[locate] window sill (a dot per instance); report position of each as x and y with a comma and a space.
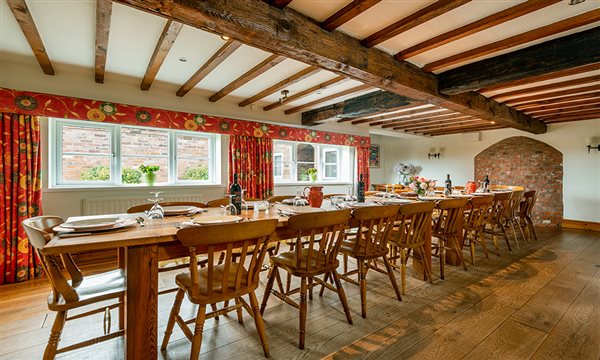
130, 187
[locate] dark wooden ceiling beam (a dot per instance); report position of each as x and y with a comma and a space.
409, 117
475, 27
533, 35
163, 45
551, 95
25, 20
415, 19
552, 86
293, 35
402, 111
304, 93
534, 110
375, 103
249, 75
554, 55
223, 53
450, 125
566, 99
299, 76
280, 4
311, 104
432, 124
566, 110
542, 77
347, 13
103, 16
463, 130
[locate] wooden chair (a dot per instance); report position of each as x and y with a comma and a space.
279, 198
446, 230
408, 237
77, 292
494, 218
375, 226
306, 261
145, 207
473, 223
218, 202
216, 283
526, 208
511, 215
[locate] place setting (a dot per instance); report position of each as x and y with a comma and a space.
92, 225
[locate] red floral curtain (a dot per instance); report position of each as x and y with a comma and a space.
362, 165
251, 158
20, 193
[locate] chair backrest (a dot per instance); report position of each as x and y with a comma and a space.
449, 212
330, 226
218, 202
512, 209
146, 207
375, 225
529, 198
480, 206
499, 204
251, 236
279, 198
39, 231
411, 223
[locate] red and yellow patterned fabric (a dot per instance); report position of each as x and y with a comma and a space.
21, 195
30, 103
251, 158
362, 162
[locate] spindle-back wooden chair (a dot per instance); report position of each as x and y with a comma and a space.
446, 230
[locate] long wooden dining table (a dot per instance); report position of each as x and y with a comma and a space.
142, 248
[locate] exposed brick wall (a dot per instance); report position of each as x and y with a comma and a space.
529, 163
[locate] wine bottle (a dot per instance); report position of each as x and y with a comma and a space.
486, 184
360, 191
235, 193
448, 184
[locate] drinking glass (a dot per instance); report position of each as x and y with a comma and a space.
230, 209
299, 199
156, 211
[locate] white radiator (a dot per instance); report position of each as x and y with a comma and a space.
118, 205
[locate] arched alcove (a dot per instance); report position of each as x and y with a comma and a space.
530, 163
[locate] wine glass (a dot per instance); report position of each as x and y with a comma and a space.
298, 199
244, 203
156, 211
231, 209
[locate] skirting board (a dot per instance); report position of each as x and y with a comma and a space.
581, 225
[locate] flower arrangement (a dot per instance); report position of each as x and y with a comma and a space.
421, 185
405, 170
312, 174
150, 171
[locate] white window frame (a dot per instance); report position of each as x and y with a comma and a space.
55, 155
280, 162
343, 154
324, 151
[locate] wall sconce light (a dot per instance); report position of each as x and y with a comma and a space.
284, 95
435, 153
590, 145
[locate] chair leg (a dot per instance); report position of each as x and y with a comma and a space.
325, 279
258, 322
54, 339
442, 259
403, 269
512, 228
481, 238
198, 328
302, 312
122, 313
310, 286
530, 223
342, 295
362, 280
456, 247
345, 257
472, 248
392, 278
171, 322
505, 235
240, 316
268, 288
426, 265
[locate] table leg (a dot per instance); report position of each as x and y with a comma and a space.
418, 271
142, 302
451, 256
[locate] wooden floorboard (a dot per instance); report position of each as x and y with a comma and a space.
538, 302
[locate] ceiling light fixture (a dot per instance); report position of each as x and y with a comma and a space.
284, 96
493, 122
575, 2
226, 38
182, 59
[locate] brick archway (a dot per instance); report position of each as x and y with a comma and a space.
529, 163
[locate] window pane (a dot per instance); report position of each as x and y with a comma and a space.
192, 169
302, 171
162, 175
76, 168
305, 153
137, 141
85, 140
331, 157
331, 171
277, 165
192, 147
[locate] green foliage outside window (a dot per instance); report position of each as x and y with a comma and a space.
102, 173
199, 172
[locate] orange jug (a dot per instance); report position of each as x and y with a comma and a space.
315, 196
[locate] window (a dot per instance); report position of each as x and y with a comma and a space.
291, 161
84, 153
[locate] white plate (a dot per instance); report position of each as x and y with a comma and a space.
291, 201
429, 198
396, 201
89, 224
117, 225
179, 209
217, 219
460, 196
352, 205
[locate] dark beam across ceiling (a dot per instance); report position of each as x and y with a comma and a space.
293, 35
563, 53
103, 16
345, 14
163, 45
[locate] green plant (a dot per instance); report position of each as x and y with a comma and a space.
149, 168
96, 173
199, 172
312, 171
130, 176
